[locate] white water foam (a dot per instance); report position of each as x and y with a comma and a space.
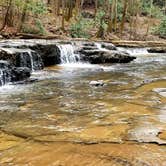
67, 54
134, 51
99, 46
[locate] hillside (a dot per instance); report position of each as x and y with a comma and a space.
101, 19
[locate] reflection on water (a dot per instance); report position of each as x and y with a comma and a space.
62, 119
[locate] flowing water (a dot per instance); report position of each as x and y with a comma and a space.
63, 120
67, 54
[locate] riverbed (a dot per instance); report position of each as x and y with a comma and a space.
61, 119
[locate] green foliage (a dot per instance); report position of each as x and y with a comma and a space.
40, 26
99, 20
30, 29
161, 30
154, 11
34, 29
37, 7
79, 29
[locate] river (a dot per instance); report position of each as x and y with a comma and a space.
61, 119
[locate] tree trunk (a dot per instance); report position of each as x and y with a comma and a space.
124, 15
6, 15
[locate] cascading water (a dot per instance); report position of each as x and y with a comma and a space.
1, 78
5, 71
134, 51
31, 59
26, 59
67, 54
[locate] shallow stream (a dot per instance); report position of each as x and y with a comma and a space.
63, 120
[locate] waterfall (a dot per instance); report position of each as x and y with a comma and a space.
26, 59
1, 78
67, 55
31, 60
4, 77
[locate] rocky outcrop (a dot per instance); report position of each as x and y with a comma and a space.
5, 72
50, 53
9, 73
20, 73
17, 64
22, 58
108, 57
108, 46
157, 50
104, 53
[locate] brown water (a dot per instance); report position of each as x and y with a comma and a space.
62, 120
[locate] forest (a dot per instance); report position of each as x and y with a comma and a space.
104, 19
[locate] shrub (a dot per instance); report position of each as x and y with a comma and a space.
34, 29
80, 28
161, 30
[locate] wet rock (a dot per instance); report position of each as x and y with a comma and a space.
89, 48
162, 135
109, 46
90, 52
20, 73
160, 91
49, 53
9, 73
147, 134
31, 60
157, 50
97, 53
5, 72
22, 58
88, 44
97, 83
98, 57
26, 81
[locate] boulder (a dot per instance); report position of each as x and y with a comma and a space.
9, 73
97, 83
22, 58
88, 44
157, 50
108, 46
50, 53
112, 56
5, 72
20, 73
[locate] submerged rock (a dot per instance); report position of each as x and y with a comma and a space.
160, 91
97, 83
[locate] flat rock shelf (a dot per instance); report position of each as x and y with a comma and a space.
81, 103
